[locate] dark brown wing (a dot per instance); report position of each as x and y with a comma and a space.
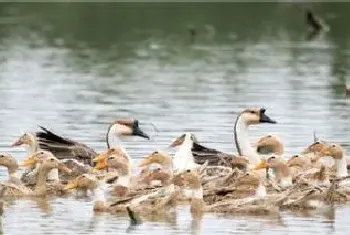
64, 148
214, 157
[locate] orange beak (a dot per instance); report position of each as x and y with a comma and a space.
28, 162
261, 165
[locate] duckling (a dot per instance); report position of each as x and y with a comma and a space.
298, 164
8, 161
192, 180
47, 163
269, 144
282, 171
115, 158
338, 154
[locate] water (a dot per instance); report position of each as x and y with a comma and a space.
76, 67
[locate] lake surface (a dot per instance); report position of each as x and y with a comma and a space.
74, 68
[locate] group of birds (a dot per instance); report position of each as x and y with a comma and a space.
259, 179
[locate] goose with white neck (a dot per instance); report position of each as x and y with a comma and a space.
246, 118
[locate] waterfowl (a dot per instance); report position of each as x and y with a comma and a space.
183, 158
337, 153
192, 180
8, 161
269, 144
47, 163
117, 159
281, 169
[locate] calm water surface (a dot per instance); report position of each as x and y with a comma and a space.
76, 67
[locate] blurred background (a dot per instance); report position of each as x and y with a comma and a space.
185, 67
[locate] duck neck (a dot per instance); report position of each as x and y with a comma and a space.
197, 193
260, 191
124, 180
53, 175
243, 146
40, 187
32, 147
14, 174
283, 175
341, 167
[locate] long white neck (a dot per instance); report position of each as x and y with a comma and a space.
112, 139
260, 191
242, 141
341, 167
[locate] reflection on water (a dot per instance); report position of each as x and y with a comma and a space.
76, 67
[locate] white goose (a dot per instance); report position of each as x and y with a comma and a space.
244, 120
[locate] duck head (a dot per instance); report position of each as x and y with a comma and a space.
26, 138
189, 178
156, 157
270, 144
127, 127
333, 150
7, 160
315, 147
299, 160
46, 160
101, 159
84, 181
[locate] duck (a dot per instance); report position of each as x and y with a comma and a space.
269, 144
281, 169
337, 152
246, 118
8, 161
117, 159
253, 204
47, 163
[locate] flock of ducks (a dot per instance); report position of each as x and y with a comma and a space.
259, 179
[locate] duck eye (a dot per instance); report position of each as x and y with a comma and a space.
188, 170
317, 142
269, 136
155, 152
51, 159
247, 174
83, 176
273, 157
333, 145
252, 112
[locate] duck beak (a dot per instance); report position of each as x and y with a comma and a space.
326, 153
28, 162
261, 165
137, 131
100, 165
264, 118
101, 157
71, 185
17, 143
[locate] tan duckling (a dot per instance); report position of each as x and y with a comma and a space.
116, 159
281, 169
269, 144
8, 161
298, 164
47, 163
192, 180
338, 154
